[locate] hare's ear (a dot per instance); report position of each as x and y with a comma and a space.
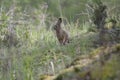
60, 20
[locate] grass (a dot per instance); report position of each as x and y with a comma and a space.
41, 53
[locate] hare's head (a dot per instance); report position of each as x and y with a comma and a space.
58, 24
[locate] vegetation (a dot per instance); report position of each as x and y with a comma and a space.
29, 49
94, 68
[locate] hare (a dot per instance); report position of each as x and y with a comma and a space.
62, 35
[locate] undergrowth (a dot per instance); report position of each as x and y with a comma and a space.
39, 52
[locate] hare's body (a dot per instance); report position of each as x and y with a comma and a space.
62, 35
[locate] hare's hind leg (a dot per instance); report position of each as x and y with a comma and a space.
65, 40
60, 41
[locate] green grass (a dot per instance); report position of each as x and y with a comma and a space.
42, 54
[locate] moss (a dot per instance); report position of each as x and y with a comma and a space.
95, 71
96, 52
46, 77
105, 50
107, 71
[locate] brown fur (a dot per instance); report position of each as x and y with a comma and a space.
62, 35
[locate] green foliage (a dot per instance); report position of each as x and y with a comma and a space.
3, 26
38, 51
